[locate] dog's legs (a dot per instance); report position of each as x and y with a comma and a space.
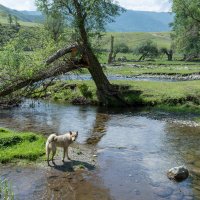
68, 154
53, 152
48, 151
64, 150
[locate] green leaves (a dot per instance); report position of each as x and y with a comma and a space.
93, 14
187, 27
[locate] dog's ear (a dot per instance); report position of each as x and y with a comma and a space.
77, 133
70, 133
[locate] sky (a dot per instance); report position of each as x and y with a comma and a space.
145, 5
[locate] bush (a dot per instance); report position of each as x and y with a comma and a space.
85, 91
147, 50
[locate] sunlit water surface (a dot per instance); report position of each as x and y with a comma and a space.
134, 148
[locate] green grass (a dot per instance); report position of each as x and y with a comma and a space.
22, 23
135, 38
183, 95
133, 59
16, 145
62, 92
6, 191
167, 93
166, 69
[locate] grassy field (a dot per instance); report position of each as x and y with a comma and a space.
132, 58
15, 145
28, 24
153, 69
180, 94
135, 38
132, 40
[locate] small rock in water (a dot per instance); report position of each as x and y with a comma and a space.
178, 173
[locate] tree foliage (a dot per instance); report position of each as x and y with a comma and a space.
54, 23
186, 27
7, 33
16, 64
121, 48
94, 15
147, 49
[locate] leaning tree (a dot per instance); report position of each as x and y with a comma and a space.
88, 18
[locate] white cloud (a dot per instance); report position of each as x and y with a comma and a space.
146, 5
19, 4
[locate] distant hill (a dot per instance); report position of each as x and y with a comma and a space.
141, 21
133, 39
129, 21
25, 16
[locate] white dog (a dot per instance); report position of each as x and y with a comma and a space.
63, 141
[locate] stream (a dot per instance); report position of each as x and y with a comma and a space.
134, 150
144, 77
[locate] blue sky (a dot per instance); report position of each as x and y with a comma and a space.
147, 5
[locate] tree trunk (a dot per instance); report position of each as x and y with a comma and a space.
142, 57
114, 55
169, 56
110, 57
107, 93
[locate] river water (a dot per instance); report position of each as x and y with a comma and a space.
134, 150
152, 78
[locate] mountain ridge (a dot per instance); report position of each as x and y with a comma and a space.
129, 21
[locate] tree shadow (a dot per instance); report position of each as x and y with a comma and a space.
99, 128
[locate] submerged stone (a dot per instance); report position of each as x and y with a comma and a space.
178, 173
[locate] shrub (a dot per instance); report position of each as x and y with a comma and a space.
85, 91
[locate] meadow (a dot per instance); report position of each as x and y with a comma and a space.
4, 21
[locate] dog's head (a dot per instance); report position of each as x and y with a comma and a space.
73, 135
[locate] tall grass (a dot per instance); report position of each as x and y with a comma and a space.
6, 192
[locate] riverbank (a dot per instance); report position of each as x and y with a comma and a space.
28, 146
183, 96
25, 174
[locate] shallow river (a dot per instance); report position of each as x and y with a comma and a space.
134, 151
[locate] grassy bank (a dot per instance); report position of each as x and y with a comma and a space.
183, 95
17, 145
155, 68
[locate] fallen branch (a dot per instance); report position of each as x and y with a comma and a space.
60, 53
54, 71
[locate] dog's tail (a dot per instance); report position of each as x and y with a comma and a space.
50, 139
